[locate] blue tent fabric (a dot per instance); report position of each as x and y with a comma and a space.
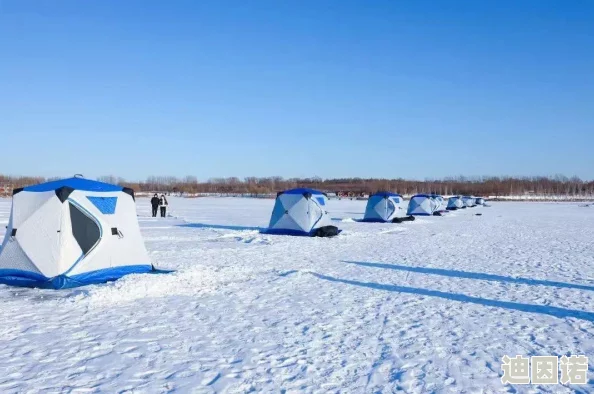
303, 191
105, 205
386, 194
382, 207
76, 184
421, 205
277, 213
129, 257
454, 203
469, 201
297, 233
33, 280
300, 212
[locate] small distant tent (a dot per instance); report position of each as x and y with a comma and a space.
383, 207
439, 203
469, 201
72, 232
480, 201
455, 203
301, 212
422, 205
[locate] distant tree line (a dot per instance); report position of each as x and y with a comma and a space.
480, 186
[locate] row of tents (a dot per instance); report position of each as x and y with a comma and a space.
433, 204
303, 211
76, 231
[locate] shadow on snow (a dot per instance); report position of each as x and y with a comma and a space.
221, 227
545, 310
474, 275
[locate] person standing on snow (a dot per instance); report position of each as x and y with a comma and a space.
163, 205
155, 204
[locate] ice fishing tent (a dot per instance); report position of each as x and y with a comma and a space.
422, 205
301, 212
71, 232
455, 203
480, 201
383, 207
469, 201
439, 202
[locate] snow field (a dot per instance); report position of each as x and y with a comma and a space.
424, 306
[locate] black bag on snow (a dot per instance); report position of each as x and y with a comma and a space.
326, 231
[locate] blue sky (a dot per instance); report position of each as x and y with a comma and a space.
413, 89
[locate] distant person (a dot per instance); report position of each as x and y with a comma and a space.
163, 205
155, 201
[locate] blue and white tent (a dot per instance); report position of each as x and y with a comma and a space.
480, 201
469, 201
439, 202
455, 203
383, 207
71, 232
301, 212
422, 205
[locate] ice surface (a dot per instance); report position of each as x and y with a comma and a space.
424, 306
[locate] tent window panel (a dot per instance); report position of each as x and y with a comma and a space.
86, 232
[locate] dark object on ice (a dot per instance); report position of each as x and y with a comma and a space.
452, 208
478, 214
437, 214
326, 231
155, 270
403, 219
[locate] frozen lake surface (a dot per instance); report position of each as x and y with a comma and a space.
424, 306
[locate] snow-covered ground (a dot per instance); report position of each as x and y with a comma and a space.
424, 306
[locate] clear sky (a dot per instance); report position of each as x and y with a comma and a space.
413, 89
